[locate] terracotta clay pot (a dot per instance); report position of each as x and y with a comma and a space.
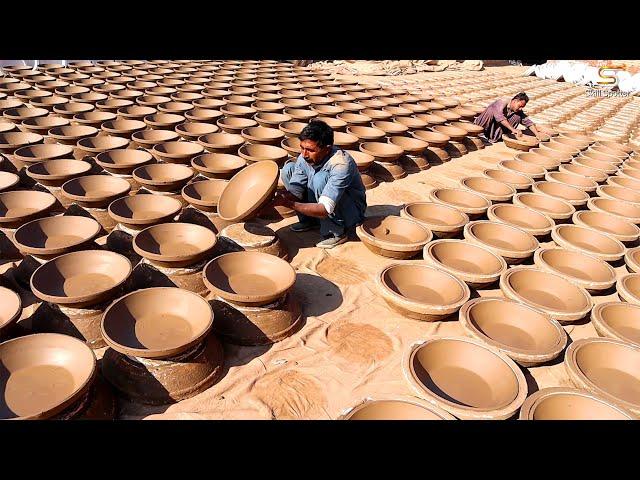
12, 141
123, 161
41, 125
394, 408
536, 159
440, 368
492, 190
620, 321
253, 153
221, 142
628, 288
191, 131
263, 135
404, 288
615, 193
596, 175
625, 210
442, 220
511, 243
8, 181
556, 209
163, 177
150, 138
218, 165
94, 145
526, 335
524, 143
18, 115
140, 211
626, 182
580, 182
292, 129
163, 121
39, 153
177, 152
605, 167
10, 310
587, 240
575, 196
533, 171
531, 221
563, 300
393, 237
21, 206
518, 181
204, 195
95, 191
472, 204
614, 226
94, 118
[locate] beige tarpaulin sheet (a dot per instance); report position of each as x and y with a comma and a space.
394, 67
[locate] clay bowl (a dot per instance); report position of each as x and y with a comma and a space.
68, 110
18, 115
8, 180
574, 196
218, 165
54, 173
376, 114
44, 374
177, 152
531, 221
586, 270
609, 151
396, 409
191, 131
249, 278
421, 291
625, 182
263, 135
470, 203
93, 119
471, 129
393, 237
235, 125
556, 209
95, 191
579, 182
53, 236
558, 157
292, 129
174, 245
163, 177
524, 143
80, 279
608, 368
150, 138
628, 288
409, 145
204, 195
615, 146
536, 159
157, 322
613, 192
632, 259
391, 128
328, 110
143, 210
253, 153
625, 210
518, 181
533, 171
123, 128
382, 152
366, 134
631, 173
523, 333
441, 369
292, 146
363, 160
94, 145
477, 266
454, 133
632, 164
620, 321
271, 120
570, 142
612, 225
563, 403
163, 121
221, 142
560, 298
12, 141
123, 161
242, 111
41, 152
40, 125
20, 206
577, 136
356, 119
492, 190
596, 175
601, 157
511, 243
606, 167
558, 146
10, 309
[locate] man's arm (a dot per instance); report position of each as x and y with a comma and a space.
316, 210
502, 120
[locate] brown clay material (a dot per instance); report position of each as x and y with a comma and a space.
42, 125
235, 125
218, 165
632, 259
393, 236
150, 138
524, 143
596, 175
144, 210
532, 221
80, 278
628, 288
123, 161
221, 142
587, 240
54, 173
95, 145
410, 408
10, 309
421, 292
518, 181
20, 206
8, 181
253, 153
12, 141
95, 191
177, 152
442, 220
511, 243
558, 210
617, 320
572, 195
536, 172
472, 204
204, 195
163, 177
43, 374
625, 210
191, 131
585, 184
618, 193
465, 377
492, 190
526, 335
614, 226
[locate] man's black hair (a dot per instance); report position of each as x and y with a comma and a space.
521, 96
319, 132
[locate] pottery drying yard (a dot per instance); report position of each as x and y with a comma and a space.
488, 281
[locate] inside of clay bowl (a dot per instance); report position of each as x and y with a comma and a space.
573, 180
436, 214
536, 159
156, 322
622, 318
563, 191
620, 193
43, 374
259, 153
80, 277
617, 207
394, 410
248, 191
465, 257
144, 209
193, 130
502, 236
252, 278
10, 307
204, 194
624, 182
123, 159
488, 186
396, 230
102, 143
177, 151
55, 235
95, 188
218, 163
464, 374
152, 137
607, 223
169, 175
8, 180
545, 203
462, 198
23, 204
174, 242
514, 179
423, 284
532, 170
570, 404
588, 239
578, 265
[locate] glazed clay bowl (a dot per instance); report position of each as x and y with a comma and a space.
556, 209
12, 141
43, 375
221, 142
163, 121
253, 153
492, 190
143, 210
605, 167
523, 333
150, 138
608, 368
533, 171
51, 236
42, 125
95, 191
580, 182
628, 288
20, 206
393, 237
123, 161
625, 210
470, 203
174, 245
477, 266
465, 377
204, 195
411, 408
442, 220
511, 243
588, 271
596, 175
191, 131
531, 221
612, 225
177, 152
92, 119
157, 322
574, 196
95, 145
10, 309
615, 193
80, 278
625, 182
8, 180
518, 181
163, 177
563, 403
421, 292
620, 321
218, 165
545, 162
563, 300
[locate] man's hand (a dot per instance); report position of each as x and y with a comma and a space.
283, 200
517, 133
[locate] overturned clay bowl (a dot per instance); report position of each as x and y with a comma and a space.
409, 408
614, 226
470, 203
140, 211
587, 185
10, 309
526, 335
51, 236
80, 279
95, 191
20, 206
519, 181
442, 220
587, 240
156, 322
249, 278
628, 288
123, 161
422, 292
163, 177
625, 210
477, 266
465, 377
591, 273
535, 172
248, 191
218, 165
44, 374
204, 195
563, 300
511, 243
492, 190
607, 367
573, 195
531, 221
393, 236
556, 209
617, 320
174, 245
564, 403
